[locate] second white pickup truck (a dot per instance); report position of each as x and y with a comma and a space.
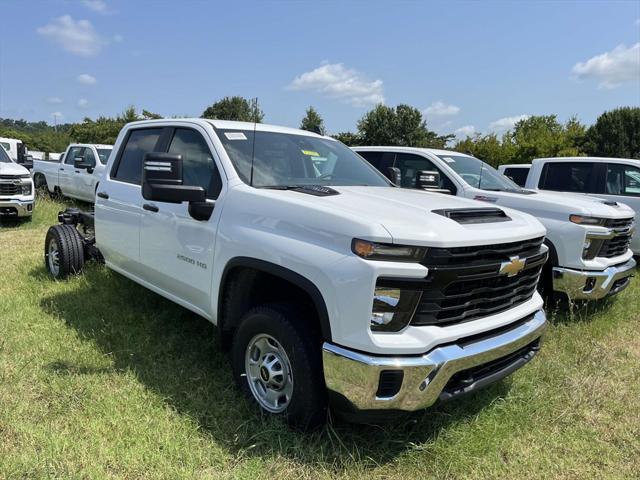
76, 174
588, 237
326, 282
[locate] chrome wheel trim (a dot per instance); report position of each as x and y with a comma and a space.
269, 373
53, 257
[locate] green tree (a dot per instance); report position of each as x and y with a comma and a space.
490, 148
615, 134
399, 126
348, 138
313, 122
147, 115
234, 108
543, 136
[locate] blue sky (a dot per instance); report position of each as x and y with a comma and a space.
470, 66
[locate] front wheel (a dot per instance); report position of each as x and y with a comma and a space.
277, 364
63, 251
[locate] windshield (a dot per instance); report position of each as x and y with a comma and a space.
285, 160
4, 157
103, 154
478, 174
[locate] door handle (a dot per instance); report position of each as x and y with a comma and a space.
150, 207
61, 169
104, 195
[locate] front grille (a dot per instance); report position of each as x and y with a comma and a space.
465, 283
9, 189
615, 246
619, 222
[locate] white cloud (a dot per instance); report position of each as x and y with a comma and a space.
466, 131
57, 115
440, 108
54, 100
83, 103
98, 6
612, 69
637, 22
506, 123
79, 38
87, 79
337, 81
118, 38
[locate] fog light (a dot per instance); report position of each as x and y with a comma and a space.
393, 308
590, 284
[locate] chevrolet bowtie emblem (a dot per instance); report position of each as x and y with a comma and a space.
513, 267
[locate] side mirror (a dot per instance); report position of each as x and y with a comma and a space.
79, 162
27, 162
162, 180
428, 179
394, 174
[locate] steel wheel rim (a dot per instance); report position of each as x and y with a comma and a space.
53, 257
269, 373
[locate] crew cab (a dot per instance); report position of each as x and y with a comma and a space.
76, 173
614, 179
16, 188
328, 284
588, 237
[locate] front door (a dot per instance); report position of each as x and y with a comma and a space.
85, 182
66, 171
175, 249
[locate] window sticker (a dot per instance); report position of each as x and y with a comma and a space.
311, 153
235, 136
448, 159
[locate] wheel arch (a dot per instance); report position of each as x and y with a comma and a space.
284, 274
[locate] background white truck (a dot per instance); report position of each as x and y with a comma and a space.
324, 280
614, 179
17, 151
76, 174
588, 237
16, 188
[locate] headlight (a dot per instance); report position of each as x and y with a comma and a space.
387, 251
393, 308
594, 221
26, 188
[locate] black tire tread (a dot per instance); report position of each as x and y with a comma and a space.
308, 408
70, 250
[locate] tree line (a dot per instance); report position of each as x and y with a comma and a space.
615, 133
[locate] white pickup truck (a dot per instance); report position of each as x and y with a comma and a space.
76, 174
16, 188
328, 283
588, 237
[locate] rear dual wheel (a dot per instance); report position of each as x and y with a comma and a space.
63, 251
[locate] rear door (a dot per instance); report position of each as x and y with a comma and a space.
175, 249
119, 201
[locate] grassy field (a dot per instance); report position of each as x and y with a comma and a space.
100, 378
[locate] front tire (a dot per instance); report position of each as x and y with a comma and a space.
277, 364
63, 251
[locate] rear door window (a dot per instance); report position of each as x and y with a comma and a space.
568, 177
128, 167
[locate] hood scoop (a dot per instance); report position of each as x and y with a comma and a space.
466, 216
611, 203
316, 190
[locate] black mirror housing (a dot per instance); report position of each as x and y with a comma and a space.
162, 180
79, 162
428, 179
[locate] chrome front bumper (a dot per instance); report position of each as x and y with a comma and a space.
590, 285
16, 208
356, 376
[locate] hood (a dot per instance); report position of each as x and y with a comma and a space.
12, 169
560, 205
408, 216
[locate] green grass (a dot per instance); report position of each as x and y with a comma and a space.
100, 378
